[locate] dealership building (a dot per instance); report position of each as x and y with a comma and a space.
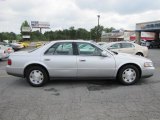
144, 31
152, 27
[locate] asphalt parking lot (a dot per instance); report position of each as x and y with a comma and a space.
81, 100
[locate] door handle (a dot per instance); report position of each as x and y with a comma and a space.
46, 59
82, 60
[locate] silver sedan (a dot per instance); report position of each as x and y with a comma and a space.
77, 58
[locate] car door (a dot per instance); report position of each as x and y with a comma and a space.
91, 63
60, 60
127, 48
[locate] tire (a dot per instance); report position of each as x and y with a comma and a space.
128, 75
36, 76
139, 54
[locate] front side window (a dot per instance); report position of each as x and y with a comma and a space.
127, 45
88, 49
60, 49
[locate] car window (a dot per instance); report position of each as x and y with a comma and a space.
88, 49
127, 45
60, 49
115, 46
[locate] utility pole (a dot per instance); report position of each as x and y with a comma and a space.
98, 28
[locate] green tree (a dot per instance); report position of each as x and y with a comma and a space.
96, 33
36, 35
107, 30
72, 32
82, 34
7, 36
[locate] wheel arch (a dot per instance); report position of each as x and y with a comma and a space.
35, 64
137, 66
139, 52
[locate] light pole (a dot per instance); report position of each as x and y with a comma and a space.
98, 28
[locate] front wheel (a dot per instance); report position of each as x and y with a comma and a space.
128, 75
36, 76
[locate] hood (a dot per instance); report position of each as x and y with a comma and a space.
132, 57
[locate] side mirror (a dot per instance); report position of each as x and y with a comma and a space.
104, 53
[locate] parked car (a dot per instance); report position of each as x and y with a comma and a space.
7, 48
3, 43
3, 54
154, 44
38, 44
101, 43
127, 47
16, 46
24, 44
151, 43
143, 43
66, 58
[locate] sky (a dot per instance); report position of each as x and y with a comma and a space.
62, 14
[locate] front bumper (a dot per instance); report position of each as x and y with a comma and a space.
148, 72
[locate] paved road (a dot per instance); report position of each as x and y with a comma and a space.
80, 100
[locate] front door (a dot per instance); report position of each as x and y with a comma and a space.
91, 63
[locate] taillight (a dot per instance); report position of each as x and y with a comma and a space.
9, 62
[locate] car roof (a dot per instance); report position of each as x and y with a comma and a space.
122, 42
89, 41
119, 42
111, 43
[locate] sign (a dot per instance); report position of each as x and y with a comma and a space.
26, 29
26, 36
38, 24
148, 25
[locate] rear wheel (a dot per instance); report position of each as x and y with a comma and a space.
36, 76
128, 75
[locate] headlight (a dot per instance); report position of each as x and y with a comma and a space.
148, 64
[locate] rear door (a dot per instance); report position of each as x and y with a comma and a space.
60, 60
127, 48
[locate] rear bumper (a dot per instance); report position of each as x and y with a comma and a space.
18, 72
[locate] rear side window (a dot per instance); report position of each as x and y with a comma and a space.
127, 45
115, 46
60, 49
